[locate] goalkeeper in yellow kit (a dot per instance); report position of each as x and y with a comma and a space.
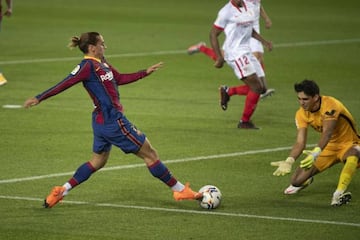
339, 142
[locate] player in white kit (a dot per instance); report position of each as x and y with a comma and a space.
236, 19
256, 48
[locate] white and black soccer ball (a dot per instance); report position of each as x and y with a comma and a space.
211, 197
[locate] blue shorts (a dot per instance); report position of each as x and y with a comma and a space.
120, 133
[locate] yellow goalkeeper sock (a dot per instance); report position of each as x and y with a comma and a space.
347, 173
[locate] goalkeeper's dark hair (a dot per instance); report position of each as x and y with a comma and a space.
309, 87
83, 42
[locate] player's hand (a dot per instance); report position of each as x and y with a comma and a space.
269, 45
311, 157
8, 12
268, 23
155, 67
31, 102
219, 63
284, 167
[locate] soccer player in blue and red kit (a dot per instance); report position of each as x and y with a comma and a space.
110, 126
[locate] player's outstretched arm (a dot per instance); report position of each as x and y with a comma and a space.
31, 102
263, 14
214, 34
155, 67
311, 157
284, 167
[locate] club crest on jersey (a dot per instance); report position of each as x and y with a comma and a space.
107, 76
76, 69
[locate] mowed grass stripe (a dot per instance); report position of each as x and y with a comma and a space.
174, 52
181, 160
200, 212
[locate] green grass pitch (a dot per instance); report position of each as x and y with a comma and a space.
177, 107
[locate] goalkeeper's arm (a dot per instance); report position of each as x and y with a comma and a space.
284, 167
328, 128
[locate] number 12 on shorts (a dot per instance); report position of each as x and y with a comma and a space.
242, 61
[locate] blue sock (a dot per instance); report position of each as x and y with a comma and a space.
82, 174
160, 171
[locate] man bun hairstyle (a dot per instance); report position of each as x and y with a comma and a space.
83, 42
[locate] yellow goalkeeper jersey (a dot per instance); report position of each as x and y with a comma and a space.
330, 109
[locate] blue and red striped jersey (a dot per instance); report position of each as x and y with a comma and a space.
101, 81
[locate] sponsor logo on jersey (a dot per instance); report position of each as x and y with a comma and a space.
247, 23
107, 76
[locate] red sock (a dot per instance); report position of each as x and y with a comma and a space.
239, 90
208, 51
250, 105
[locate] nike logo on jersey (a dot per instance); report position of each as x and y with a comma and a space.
331, 113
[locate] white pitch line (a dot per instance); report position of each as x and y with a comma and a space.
12, 106
190, 159
200, 212
174, 52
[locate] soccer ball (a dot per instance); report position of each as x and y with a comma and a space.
211, 197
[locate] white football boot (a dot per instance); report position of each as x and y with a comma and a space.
292, 189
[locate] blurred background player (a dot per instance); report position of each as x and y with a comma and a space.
256, 48
110, 126
2, 79
7, 13
238, 55
339, 142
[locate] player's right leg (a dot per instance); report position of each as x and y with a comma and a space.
292, 189
81, 175
301, 179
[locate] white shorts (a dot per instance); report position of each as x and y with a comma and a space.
256, 46
246, 65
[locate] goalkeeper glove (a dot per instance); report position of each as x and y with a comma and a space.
284, 167
310, 159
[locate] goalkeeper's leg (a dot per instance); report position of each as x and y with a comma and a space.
346, 176
300, 180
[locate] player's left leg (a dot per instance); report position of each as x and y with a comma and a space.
303, 178
158, 169
351, 164
259, 54
269, 91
